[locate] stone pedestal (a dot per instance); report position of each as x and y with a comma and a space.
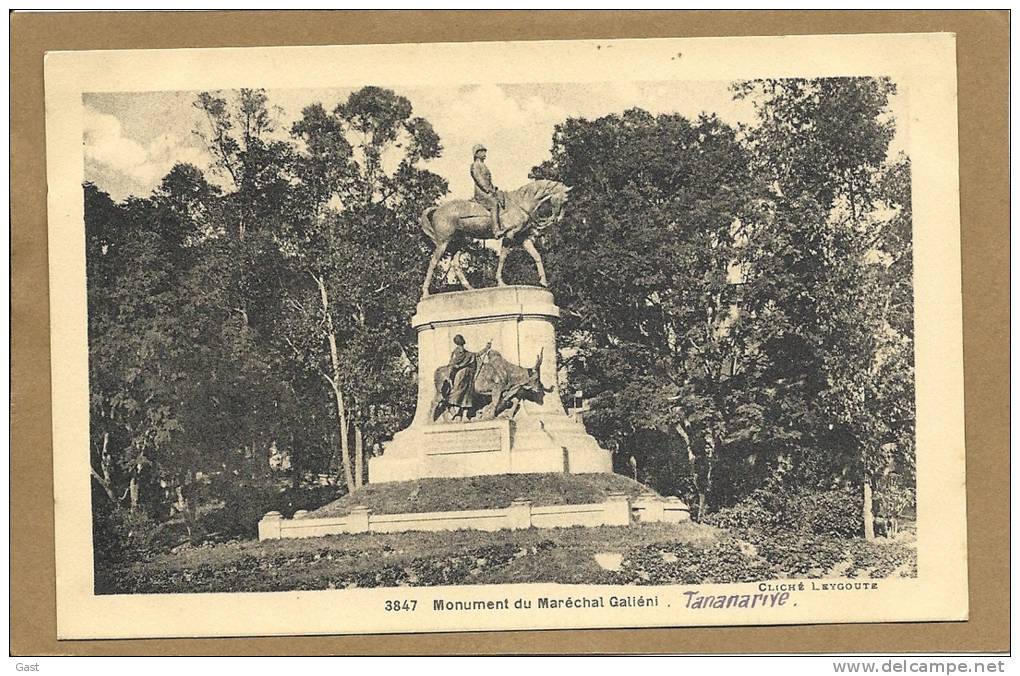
519, 320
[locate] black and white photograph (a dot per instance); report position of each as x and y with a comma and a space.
636, 347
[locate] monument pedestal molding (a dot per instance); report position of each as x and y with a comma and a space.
540, 437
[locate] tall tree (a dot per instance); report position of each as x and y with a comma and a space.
646, 263
241, 256
822, 144
179, 385
352, 237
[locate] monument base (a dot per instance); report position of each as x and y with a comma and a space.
528, 444
518, 322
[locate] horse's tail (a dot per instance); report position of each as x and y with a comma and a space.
426, 223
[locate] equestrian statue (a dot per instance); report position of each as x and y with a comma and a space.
513, 218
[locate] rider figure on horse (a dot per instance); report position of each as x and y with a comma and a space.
486, 193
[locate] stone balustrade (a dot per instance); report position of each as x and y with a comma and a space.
617, 510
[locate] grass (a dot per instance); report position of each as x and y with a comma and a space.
649, 554
564, 555
482, 492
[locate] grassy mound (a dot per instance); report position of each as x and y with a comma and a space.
482, 492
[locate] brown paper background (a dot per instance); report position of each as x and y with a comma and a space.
982, 53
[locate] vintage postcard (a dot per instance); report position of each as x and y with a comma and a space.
501, 336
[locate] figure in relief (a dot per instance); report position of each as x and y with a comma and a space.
481, 385
459, 382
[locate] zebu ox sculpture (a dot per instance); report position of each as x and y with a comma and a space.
498, 386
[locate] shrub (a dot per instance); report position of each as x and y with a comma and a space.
746, 517
245, 503
803, 556
120, 535
879, 560
835, 513
894, 499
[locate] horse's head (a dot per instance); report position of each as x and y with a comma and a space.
558, 200
550, 198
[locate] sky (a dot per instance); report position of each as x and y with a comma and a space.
133, 139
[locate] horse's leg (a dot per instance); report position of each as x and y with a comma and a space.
529, 246
459, 271
436, 255
499, 266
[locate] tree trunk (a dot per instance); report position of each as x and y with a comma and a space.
692, 460
133, 492
134, 483
296, 470
107, 488
181, 505
344, 429
359, 457
338, 395
869, 517
706, 488
106, 480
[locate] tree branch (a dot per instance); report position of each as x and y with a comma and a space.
303, 359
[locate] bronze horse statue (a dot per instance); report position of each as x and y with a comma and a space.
497, 383
529, 210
